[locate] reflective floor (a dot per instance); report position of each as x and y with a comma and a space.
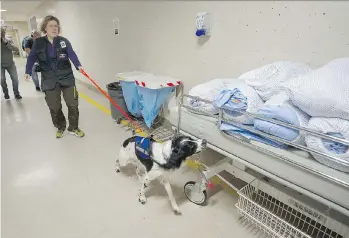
67, 188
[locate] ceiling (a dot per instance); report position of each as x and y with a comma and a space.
17, 10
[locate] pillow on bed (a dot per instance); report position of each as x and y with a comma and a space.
331, 126
323, 92
267, 79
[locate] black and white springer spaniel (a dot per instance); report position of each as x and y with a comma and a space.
157, 160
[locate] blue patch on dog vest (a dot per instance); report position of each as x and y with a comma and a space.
142, 147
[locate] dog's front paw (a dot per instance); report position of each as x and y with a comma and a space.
142, 199
177, 212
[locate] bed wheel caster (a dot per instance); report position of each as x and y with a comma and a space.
195, 194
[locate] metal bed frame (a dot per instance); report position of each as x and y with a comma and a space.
267, 201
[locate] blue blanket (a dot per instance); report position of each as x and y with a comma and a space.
130, 93
151, 100
283, 114
233, 100
234, 130
144, 102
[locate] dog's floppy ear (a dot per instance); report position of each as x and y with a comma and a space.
176, 158
176, 151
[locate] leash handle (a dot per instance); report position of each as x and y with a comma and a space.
112, 101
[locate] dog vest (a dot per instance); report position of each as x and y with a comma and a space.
143, 148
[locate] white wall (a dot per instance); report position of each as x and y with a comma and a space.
160, 36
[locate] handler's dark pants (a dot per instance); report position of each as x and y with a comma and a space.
71, 98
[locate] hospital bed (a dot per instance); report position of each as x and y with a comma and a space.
287, 192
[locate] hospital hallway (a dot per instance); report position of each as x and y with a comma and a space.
55, 188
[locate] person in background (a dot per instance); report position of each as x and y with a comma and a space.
8, 64
28, 44
53, 53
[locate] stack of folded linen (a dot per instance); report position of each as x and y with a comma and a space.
316, 99
238, 97
324, 95
206, 91
292, 93
235, 99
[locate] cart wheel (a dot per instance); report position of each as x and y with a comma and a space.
197, 197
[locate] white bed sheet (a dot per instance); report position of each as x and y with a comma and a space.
205, 127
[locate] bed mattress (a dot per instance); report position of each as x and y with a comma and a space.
205, 127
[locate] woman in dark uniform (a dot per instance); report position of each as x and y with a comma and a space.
53, 53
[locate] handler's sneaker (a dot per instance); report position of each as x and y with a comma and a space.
77, 132
60, 133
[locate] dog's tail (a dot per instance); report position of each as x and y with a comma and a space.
128, 141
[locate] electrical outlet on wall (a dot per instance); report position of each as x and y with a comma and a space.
116, 24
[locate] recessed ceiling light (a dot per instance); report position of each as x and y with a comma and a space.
3, 10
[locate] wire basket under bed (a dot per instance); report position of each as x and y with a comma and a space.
277, 214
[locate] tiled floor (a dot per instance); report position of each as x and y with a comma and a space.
67, 188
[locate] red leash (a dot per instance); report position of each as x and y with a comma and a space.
112, 101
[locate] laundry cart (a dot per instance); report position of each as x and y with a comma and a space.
130, 91
145, 96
